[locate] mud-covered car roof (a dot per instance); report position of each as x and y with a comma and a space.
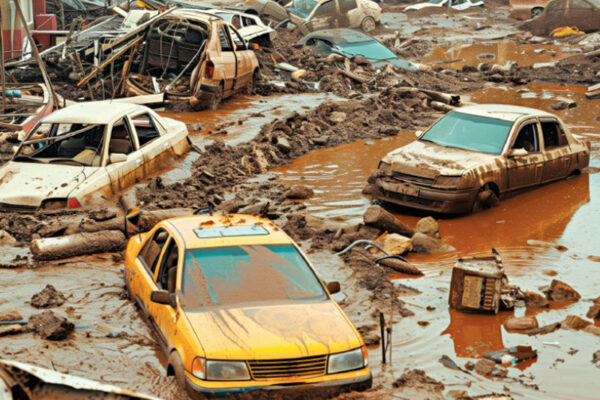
340, 35
93, 112
201, 231
503, 111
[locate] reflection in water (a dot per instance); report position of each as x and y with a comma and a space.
495, 53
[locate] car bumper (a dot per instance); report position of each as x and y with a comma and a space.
445, 201
289, 390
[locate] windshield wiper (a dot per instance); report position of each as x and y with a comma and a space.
66, 160
27, 158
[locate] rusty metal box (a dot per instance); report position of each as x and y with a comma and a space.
476, 284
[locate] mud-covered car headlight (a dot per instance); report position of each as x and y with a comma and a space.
384, 168
347, 361
447, 181
226, 371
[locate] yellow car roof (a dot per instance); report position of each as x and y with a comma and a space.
201, 231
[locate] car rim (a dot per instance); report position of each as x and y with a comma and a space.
368, 24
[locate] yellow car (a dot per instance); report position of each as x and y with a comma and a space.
237, 307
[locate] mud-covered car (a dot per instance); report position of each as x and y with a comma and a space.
87, 153
250, 26
475, 155
312, 15
237, 307
207, 55
350, 43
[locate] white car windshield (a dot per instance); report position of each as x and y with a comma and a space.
469, 132
64, 143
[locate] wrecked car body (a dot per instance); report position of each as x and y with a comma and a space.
88, 152
474, 156
311, 15
350, 43
273, 12
240, 332
192, 56
250, 26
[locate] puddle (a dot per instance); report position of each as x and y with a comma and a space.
495, 53
240, 118
559, 213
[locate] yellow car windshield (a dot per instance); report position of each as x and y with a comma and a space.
236, 275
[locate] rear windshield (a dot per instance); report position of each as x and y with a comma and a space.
469, 132
236, 275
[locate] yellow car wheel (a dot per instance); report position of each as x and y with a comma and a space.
176, 368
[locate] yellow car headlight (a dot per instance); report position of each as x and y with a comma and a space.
198, 367
447, 181
227, 371
347, 361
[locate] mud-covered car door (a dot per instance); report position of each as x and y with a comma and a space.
228, 59
557, 152
323, 17
525, 169
124, 161
141, 280
244, 65
154, 145
165, 315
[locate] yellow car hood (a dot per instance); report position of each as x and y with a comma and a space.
274, 331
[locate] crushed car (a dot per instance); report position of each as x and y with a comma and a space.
238, 307
88, 152
350, 43
476, 155
192, 56
272, 12
454, 4
312, 15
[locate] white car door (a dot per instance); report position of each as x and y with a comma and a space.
124, 162
154, 144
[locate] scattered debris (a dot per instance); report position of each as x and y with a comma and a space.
48, 297
488, 367
560, 291
299, 192
428, 226
416, 378
575, 322
511, 355
382, 219
545, 329
77, 244
50, 325
521, 323
448, 362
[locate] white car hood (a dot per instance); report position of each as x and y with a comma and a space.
27, 184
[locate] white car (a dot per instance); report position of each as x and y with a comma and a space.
455, 4
86, 153
250, 27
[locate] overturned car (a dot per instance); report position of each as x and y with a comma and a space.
474, 156
87, 153
192, 56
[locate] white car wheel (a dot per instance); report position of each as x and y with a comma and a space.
367, 24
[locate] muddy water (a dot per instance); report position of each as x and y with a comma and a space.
497, 53
564, 213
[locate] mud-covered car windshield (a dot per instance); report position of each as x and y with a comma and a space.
64, 143
369, 49
469, 132
242, 275
303, 7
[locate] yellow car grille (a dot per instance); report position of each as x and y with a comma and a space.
288, 368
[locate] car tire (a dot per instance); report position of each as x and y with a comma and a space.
536, 11
367, 24
486, 198
217, 97
179, 372
249, 88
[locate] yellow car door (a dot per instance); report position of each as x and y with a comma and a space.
141, 278
165, 316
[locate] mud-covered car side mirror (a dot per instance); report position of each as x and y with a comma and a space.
517, 153
160, 297
333, 287
117, 158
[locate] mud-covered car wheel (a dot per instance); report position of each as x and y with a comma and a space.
177, 368
249, 88
367, 24
486, 198
536, 11
217, 97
